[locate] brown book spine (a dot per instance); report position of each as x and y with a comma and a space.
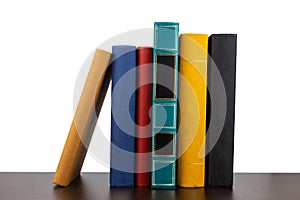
84, 120
143, 121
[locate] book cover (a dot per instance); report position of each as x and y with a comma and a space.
219, 161
143, 120
192, 100
122, 162
164, 105
85, 119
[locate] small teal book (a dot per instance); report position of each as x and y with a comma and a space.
164, 105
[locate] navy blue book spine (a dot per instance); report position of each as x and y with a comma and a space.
123, 116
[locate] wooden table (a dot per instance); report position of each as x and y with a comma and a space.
38, 186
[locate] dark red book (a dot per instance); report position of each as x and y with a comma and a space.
143, 120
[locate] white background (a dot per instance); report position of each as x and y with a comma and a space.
44, 43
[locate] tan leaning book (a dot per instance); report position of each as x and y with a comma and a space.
84, 120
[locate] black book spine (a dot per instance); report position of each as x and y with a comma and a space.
222, 61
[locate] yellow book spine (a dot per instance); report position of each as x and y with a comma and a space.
192, 110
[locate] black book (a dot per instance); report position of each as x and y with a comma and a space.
220, 110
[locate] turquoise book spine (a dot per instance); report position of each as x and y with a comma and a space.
164, 105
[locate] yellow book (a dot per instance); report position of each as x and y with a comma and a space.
192, 112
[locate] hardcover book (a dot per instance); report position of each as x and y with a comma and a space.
122, 162
192, 100
143, 120
85, 119
164, 105
219, 161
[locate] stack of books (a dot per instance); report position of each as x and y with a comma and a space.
172, 119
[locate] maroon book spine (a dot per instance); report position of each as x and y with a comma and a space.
143, 120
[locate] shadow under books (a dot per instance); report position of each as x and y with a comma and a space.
91, 186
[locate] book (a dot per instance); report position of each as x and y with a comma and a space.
164, 105
143, 120
192, 101
220, 143
85, 119
122, 160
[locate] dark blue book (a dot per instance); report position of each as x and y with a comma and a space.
123, 116
164, 105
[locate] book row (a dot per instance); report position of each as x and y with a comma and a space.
172, 119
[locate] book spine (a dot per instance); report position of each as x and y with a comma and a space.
123, 116
85, 119
192, 99
219, 161
164, 105
143, 120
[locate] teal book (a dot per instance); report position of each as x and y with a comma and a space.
164, 105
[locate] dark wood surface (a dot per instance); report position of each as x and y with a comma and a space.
38, 186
